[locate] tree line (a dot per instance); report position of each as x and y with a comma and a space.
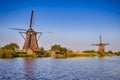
12, 50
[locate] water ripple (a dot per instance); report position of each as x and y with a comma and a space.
107, 68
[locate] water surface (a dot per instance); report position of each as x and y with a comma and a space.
107, 68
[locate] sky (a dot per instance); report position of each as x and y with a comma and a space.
75, 24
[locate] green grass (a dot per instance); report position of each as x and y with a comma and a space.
89, 53
13, 54
96, 54
82, 55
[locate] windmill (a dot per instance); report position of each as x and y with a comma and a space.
31, 40
101, 45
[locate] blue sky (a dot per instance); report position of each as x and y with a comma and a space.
76, 24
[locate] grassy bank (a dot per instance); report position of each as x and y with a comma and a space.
56, 51
92, 54
4, 53
87, 54
12, 54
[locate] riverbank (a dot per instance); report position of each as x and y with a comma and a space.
82, 54
95, 54
57, 51
14, 54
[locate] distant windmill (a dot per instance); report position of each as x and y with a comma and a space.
101, 45
31, 41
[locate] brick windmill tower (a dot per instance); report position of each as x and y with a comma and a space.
101, 46
31, 41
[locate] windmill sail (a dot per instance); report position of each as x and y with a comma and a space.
31, 20
100, 39
18, 29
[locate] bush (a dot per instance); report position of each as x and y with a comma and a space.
11, 46
62, 50
6, 53
117, 53
43, 53
11, 54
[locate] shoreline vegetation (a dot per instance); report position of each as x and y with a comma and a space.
12, 51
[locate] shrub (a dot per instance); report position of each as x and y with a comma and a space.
62, 50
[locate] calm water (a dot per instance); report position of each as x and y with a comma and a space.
107, 68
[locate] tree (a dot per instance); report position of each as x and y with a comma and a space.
61, 50
55, 47
11, 46
42, 50
44, 53
110, 52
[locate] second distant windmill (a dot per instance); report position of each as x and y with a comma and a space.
101, 45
